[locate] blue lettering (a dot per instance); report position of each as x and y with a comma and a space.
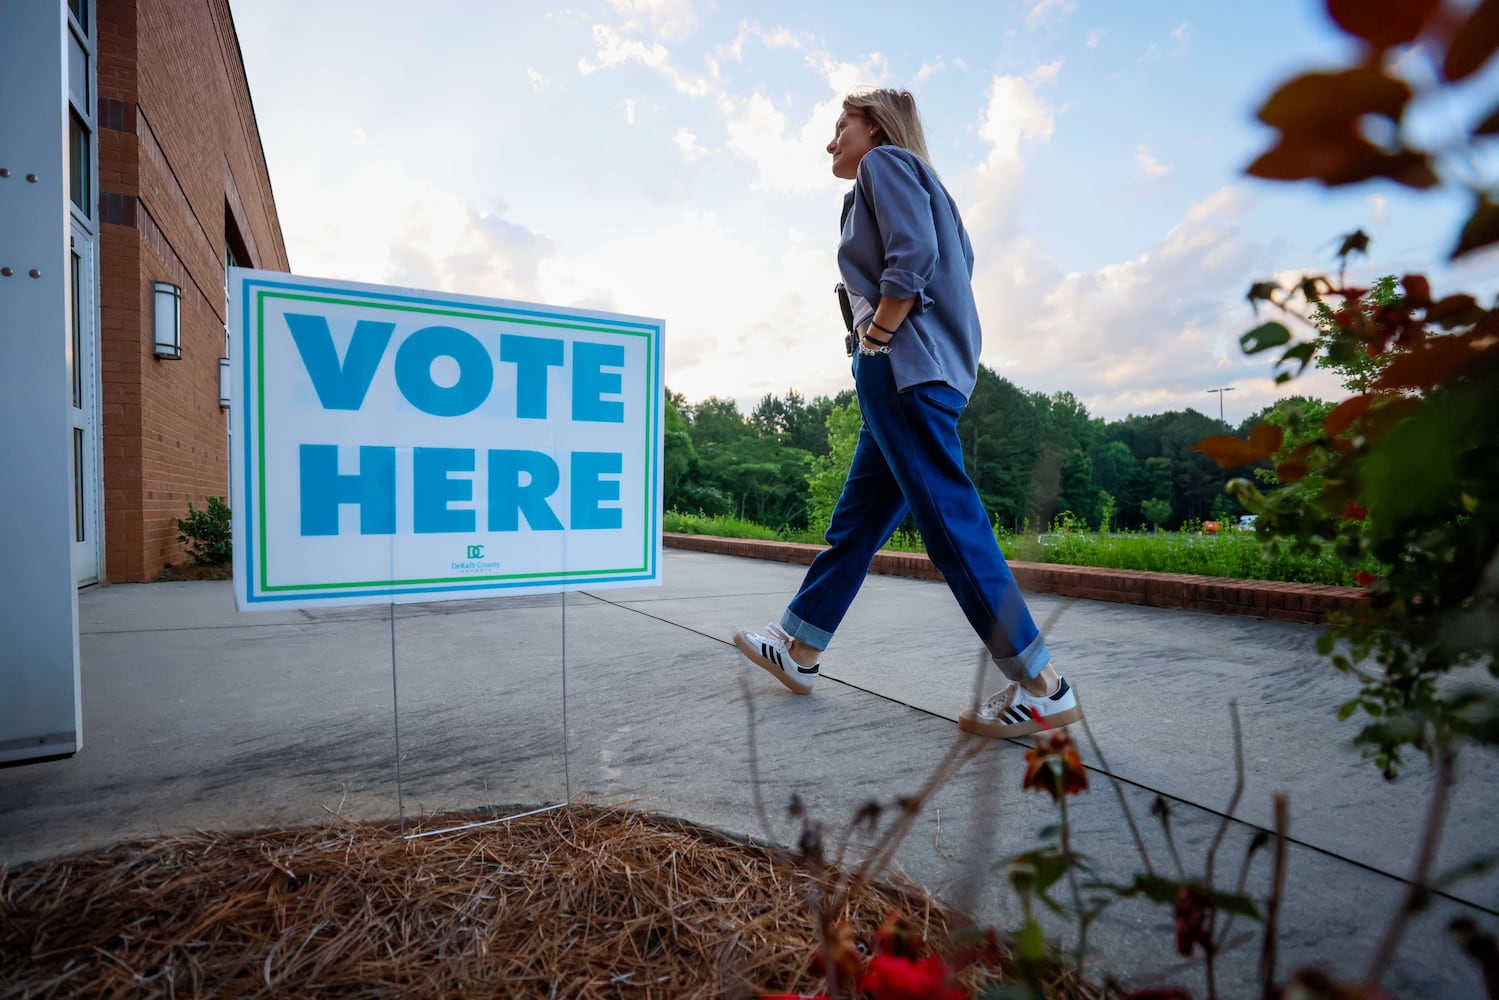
532, 356
589, 490
434, 489
508, 496
414, 371
323, 490
590, 382
339, 386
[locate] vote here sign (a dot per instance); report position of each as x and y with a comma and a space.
392, 445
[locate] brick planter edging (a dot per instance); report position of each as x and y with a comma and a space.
1296, 602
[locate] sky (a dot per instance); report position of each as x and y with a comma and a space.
665, 158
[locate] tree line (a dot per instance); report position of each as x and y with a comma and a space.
1034, 458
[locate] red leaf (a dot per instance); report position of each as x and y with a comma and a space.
1437, 360
1365, 578
1454, 310
1229, 451
1346, 412
1315, 102
1382, 23
1489, 125
1475, 42
1291, 472
1417, 290
1337, 157
1480, 230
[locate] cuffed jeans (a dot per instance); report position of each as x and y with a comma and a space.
908, 458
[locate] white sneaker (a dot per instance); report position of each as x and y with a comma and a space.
1013, 711
772, 651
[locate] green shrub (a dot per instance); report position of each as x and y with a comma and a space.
207, 534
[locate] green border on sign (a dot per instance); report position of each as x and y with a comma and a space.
455, 312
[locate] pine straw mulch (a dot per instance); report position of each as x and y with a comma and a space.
580, 901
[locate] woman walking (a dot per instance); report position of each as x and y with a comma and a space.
907, 266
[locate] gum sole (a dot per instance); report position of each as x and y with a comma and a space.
770, 668
1009, 731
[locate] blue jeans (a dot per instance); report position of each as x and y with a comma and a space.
908, 458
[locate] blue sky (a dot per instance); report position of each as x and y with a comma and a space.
665, 158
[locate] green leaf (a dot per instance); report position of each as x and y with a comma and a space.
1264, 337
1153, 887
1347, 710
1325, 643
1301, 352
1031, 943
1234, 903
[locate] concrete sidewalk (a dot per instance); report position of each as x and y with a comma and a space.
195, 716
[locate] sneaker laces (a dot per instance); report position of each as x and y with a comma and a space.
1000, 700
779, 634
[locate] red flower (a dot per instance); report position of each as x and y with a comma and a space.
899, 937
843, 948
1365, 579
1054, 766
1355, 511
1194, 920
893, 978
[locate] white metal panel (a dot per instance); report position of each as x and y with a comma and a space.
40, 707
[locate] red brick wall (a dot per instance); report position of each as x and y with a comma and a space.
179, 149
1298, 602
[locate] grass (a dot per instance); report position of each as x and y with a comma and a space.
1235, 555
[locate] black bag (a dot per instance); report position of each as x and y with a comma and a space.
847, 308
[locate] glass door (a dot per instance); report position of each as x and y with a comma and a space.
83, 367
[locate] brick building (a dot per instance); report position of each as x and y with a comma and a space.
131, 177
182, 192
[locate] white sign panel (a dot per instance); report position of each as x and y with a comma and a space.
392, 445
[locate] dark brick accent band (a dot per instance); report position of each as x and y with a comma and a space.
117, 115
117, 209
1297, 602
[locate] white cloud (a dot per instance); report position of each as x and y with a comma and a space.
687, 145
537, 80
629, 106
685, 271
1149, 164
1047, 73
774, 38
671, 19
1145, 334
1180, 35
1043, 10
1094, 37
1151, 54
615, 51
1377, 208
929, 70
786, 160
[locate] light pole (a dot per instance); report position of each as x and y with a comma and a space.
1220, 392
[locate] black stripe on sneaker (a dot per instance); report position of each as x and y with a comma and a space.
1017, 716
807, 670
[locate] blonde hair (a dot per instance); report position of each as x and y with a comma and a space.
893, 113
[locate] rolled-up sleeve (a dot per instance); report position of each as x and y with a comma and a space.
903, 210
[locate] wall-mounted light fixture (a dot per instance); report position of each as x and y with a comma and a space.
166, 319
224, 394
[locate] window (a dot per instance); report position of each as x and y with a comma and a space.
80, 165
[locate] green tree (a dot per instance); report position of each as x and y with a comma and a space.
830, 471
1157, 512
